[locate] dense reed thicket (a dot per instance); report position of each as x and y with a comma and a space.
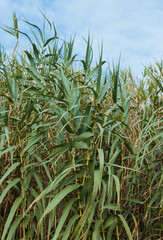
80, 146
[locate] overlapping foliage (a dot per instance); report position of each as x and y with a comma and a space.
80, 150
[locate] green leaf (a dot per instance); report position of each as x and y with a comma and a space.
113, 206
14, 227
31, 60
98, 85
83, 136
156, 80
80, 145
53, 185
101, 159
135, 200
63, 218
71, 222
115, 80
49, 40
36, 77
103, 91
110, 231
117, 183
15, 89
9, 186
35, 26
126, 227
36, 52
92, 73
90, 220
65, 84
110, 221
96, 232
90, 204
58, 198
10, 216
12, 168
32, 141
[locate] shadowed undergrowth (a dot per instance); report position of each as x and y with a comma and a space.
80, 150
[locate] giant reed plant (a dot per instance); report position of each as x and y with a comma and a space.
80, 150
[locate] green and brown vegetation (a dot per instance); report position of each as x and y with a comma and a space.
80, 147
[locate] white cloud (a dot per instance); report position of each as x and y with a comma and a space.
133, 28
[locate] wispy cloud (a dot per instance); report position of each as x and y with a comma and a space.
133, 28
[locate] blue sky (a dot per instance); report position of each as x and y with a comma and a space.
132, 28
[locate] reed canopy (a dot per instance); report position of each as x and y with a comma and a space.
80, 143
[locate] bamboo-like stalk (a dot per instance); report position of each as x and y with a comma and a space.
22, 179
